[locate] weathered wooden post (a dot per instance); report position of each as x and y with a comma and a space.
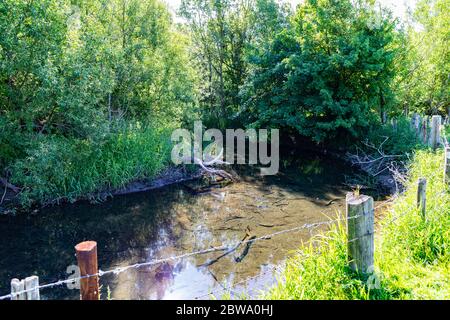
447, 116
413, 120
32, 287
447, 165
360, 228
424, 130
435, 134
383, 117
415, 123
17, 286
422, 195
394, 124
88, 264
27, 289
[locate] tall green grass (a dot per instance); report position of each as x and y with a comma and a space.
412, 255
62, 169
399, 140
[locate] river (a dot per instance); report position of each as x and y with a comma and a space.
173, 220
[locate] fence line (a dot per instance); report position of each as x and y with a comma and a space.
229, 248
277, 268
231, 285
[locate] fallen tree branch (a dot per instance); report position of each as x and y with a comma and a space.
206, 166
9, 185
376, 162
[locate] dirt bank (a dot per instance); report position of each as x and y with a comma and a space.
170, 175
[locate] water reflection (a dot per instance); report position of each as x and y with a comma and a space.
171, 221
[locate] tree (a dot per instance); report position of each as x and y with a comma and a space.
327, 75
83, 70
424, 71
224, 34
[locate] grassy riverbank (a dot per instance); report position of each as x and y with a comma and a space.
412, 256
57, 169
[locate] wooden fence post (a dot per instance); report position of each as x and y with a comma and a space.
360, 228
88, 264
424, 130
435, 134
394, 124
415, 122
447, 165
16, 287
422, 195
30, 285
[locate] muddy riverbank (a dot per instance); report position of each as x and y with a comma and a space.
171, 175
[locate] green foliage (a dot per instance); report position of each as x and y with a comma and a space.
78, 72
72, 70
400, 139
424, 68
425, 240
79, 82
223, 33
320, 272
327, 74
412, 255
57, 168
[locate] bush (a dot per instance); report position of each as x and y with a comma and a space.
325, 77
401, 140
58, 168
412, 255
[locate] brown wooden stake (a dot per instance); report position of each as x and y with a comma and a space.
87, 262
360, 227
422, 195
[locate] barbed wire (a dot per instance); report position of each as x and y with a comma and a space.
229, 247
231, 285
278, 268
229, 288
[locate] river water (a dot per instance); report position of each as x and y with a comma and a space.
173, 220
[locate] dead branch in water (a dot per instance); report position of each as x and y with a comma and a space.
376, 162
213, 171
206, 166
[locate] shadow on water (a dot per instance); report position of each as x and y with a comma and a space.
171, 221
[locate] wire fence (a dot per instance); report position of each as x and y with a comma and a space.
231, 287
228, 248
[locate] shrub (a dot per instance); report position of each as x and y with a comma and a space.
57, 168
412, 255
